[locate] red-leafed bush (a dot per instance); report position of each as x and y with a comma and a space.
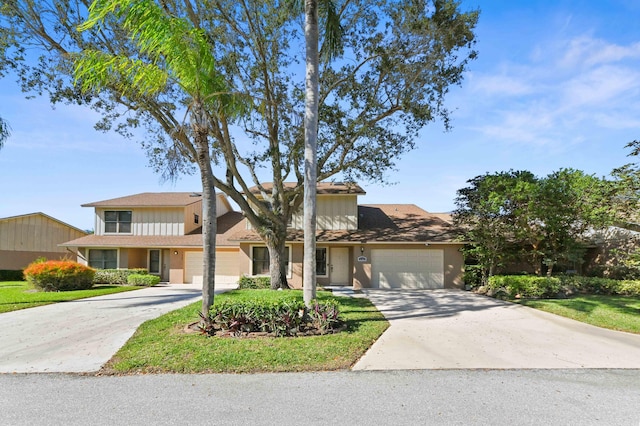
59, 275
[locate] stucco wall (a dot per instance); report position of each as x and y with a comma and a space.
15, 260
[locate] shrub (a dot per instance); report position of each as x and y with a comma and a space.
254, 283
116, 276
143, 279
284, 315
59, 275
11, 275
526, 286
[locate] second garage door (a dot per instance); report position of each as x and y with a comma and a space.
226, 267
407, 269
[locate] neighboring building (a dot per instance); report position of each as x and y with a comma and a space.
379, 246
27, 237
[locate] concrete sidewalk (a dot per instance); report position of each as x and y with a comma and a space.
448, 329
82, 335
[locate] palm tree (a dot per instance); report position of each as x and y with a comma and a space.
179, 55
332, 47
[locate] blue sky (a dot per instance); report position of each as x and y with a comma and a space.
556, 84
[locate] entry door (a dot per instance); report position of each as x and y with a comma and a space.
154, 262
339, 267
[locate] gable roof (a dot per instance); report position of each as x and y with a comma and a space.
381, 223
150, 199
323, 188
11, 218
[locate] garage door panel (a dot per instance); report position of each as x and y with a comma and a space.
407, 269
226, 267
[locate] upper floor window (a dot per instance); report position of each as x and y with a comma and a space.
196, 218
117, 221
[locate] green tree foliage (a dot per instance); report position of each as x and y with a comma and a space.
511, 216
399, 61
4, 131
627, 190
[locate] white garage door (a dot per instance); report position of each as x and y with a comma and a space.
226, 267
407, 269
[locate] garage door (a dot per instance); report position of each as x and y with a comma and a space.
407, 269
226, 267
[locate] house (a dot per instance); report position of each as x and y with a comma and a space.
379, 246
161, 232
27, 237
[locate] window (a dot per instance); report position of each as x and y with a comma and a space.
321, 261
103, 259
260, 260
117, 222
196, 219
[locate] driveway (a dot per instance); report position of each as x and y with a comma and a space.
82, 335
449, 329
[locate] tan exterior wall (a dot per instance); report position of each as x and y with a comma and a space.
360, 272
148, 221
15, 260
35, 233
137, 258
189, 212
334, 212
176, 266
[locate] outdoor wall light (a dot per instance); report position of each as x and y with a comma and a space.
175, 252
361, 249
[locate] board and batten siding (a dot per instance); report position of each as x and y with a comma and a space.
148, 221
36, 233
189, 212
333, 212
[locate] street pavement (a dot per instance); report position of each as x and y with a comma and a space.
427, 397
82, 335
445, 329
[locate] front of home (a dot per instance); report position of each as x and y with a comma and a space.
364, 246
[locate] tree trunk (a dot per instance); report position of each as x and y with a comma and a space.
275, 240
209, 219
310, 151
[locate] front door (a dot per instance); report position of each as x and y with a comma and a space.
339, 267
154, 262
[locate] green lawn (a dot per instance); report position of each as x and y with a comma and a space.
160, 345
620, 313
15, 295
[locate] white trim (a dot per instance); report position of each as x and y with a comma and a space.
289, 268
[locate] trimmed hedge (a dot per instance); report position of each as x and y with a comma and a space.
143, 280
533, 287
11, 275
254, 283
281, 315
59, 275
116, 276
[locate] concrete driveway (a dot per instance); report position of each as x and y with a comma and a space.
449, 329
82, 335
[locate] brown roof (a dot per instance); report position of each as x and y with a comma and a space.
323, 188
228, 224
151, 199
381, 223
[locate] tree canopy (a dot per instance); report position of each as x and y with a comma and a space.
515, 216
398, 61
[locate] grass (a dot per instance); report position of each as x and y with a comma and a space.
161, 345
620, 313
16, 295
